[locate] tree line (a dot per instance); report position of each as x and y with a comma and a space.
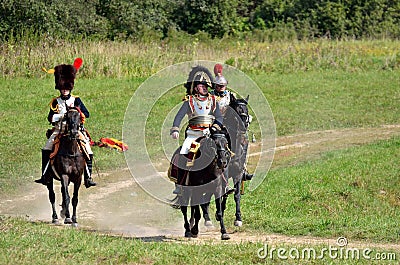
159, 19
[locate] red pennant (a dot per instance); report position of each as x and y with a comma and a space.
78, 63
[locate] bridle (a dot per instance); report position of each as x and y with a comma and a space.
72, 124
223, 153
242, 114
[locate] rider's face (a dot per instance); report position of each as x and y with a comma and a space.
220, 88
202, 89
65, 92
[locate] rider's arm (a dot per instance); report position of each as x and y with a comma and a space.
181, 114
218, 115
78, 103
53, 110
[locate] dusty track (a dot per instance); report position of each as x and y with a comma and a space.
118, 206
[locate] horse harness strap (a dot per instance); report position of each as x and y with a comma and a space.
57, 145
194, 147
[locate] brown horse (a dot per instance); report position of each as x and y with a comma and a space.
67, 166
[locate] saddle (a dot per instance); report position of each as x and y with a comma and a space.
191, 156
56, 146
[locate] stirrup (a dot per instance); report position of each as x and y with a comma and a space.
177, 190
229, 190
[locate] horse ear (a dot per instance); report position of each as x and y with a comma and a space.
247, 99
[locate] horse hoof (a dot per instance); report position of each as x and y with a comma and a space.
225, 236
194, 232
208, 223
238, 223
67, 221
55, 222
74, 224
188, 234
62, 213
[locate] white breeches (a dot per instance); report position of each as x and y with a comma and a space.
191, 136
50, 142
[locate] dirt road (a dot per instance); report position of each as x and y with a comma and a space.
120, 207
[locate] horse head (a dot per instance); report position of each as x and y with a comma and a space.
73, 120
223, 155
240, 107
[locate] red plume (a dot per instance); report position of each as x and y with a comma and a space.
78, 63
218, 69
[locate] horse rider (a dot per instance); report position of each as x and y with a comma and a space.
202, 110
64, 82
224, 98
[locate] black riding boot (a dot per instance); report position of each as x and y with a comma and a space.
178, 187
247, 175
45, 162
88, 175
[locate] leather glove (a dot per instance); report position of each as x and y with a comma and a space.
175, 135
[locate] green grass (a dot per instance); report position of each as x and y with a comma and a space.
325, 100
25, 58
301, 102
352, 192
24, 242
24, 105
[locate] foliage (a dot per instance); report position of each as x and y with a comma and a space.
61, 18
25, 57
124, 19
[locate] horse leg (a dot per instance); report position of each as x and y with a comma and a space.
238, 221
219, 215
185, 219
66, 199
204, 207
197, 216
52, 199
75, 204
191, 220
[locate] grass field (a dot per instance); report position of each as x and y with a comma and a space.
352, 191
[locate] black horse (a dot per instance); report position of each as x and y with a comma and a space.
236, 120
67, 166
204, 177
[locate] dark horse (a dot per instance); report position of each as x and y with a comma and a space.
67, 166
204, 177
236, 121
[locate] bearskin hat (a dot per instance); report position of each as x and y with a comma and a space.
64, 74
198, 75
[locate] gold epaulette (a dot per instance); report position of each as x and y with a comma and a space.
55, 109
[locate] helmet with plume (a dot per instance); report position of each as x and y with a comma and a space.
198, 75
219, 78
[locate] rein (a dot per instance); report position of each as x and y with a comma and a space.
71, 137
